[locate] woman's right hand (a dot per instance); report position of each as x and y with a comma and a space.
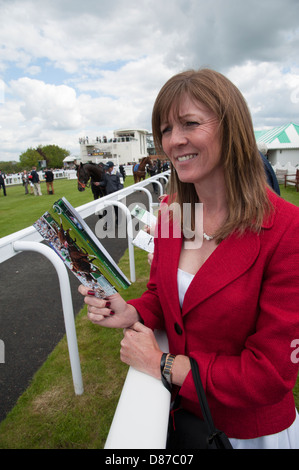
113, 312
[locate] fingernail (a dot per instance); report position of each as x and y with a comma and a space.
112, 313
108, 304
91, 292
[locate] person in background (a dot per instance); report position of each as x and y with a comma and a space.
270, 174
49, 177
111, 183
230, 301
112, 179
25, 181
36, 182
122, 172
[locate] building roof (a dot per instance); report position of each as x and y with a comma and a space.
131, 129
282, 137
71, 158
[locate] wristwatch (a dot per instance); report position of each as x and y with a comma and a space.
166, 368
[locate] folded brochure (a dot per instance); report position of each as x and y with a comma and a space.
70, 237
144, 240
144, 216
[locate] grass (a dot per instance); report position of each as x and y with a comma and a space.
18, 211
49, 415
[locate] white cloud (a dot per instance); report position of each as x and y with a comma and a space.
55, 106
73, 69
268, 90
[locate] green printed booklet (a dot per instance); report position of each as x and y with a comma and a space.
70, 237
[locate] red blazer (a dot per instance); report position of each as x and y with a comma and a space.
239, 317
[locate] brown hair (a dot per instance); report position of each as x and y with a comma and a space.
244, 173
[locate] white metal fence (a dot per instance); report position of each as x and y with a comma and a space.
141, 392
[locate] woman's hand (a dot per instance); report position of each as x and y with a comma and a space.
140, 350
112, 312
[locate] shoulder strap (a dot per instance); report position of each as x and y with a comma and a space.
202, 396
216, 437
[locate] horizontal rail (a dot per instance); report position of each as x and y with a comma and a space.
141, 417
30, 234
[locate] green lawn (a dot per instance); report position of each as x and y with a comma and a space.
18, 211
49, 415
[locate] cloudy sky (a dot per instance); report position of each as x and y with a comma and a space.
70, 69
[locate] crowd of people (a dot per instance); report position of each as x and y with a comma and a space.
114, 180
31, 180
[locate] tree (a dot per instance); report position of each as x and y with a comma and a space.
53, 155
11, 167
29, 158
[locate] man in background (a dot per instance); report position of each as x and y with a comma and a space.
49, 177
2, 182
36, 182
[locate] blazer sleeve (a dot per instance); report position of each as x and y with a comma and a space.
148, 305
264, 372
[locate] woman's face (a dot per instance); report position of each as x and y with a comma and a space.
191, 140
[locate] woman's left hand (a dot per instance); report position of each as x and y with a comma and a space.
140, 350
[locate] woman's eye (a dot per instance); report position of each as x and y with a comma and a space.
164, 130
192, 123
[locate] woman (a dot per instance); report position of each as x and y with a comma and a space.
231, 301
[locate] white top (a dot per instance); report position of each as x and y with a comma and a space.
286, 439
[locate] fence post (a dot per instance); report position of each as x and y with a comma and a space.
150, 199
67, 305
124, 208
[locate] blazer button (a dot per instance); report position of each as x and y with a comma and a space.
178, 329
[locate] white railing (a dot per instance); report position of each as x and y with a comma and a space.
90, 208
141, 417
16, 178
157, 401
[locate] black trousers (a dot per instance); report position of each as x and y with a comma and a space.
4, 190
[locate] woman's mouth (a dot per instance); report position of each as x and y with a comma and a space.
184, 158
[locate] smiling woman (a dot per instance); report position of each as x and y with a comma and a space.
192, 142
204, 116
230, 302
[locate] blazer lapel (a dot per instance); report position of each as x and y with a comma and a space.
230, 260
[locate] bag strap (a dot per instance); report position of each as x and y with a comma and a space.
203, 400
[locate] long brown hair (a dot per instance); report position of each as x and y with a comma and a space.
245, 178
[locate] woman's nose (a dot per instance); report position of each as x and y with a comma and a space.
178, 137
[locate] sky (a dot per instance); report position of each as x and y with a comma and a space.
71, 69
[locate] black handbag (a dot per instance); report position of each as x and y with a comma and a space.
187, 431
